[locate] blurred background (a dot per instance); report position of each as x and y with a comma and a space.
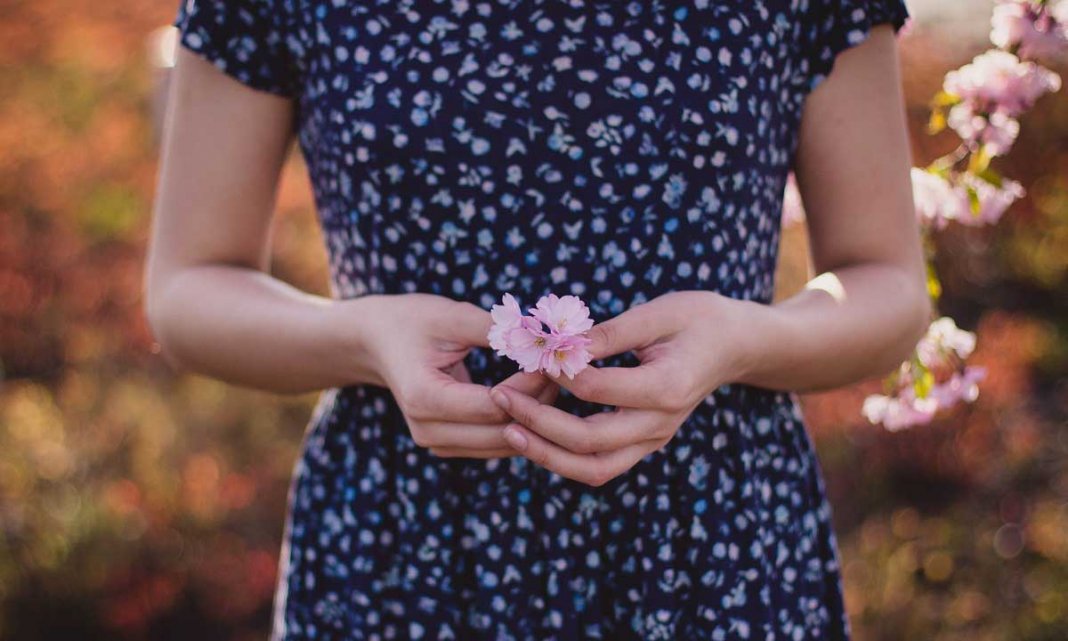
139, 504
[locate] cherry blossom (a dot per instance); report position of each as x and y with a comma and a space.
563, 349
999, 81
1029, 27
563, 315
506, 316
991, 200
901, 411
982, 103
997, 131
944, 338
937, 201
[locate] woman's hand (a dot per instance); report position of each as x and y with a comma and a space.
689, 343
415, 345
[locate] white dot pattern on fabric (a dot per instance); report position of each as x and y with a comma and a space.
610, 149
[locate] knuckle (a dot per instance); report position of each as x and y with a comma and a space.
467, 311
598, 476
421, 435
412, 401
528, 414
586, 442
540, 456
664, 432
587, 388
604, 335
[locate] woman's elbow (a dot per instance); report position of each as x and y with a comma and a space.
159, 317
916, 311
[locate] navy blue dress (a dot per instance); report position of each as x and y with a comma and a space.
609, 149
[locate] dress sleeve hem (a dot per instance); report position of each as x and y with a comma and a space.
221, 51
858, 24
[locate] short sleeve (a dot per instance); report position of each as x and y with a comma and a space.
244, 38
836, 25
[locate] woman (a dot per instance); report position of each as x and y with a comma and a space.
633, 154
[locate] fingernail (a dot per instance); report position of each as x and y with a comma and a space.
515, 438
499, 398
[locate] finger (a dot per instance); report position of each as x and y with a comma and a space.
601, 432
440, 397
539, 416
529, 383
457, 435
481, 454
650, 385
548, 394
608, 431
638, 327
592, 469
467, 324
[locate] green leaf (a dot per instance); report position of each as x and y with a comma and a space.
973, 200
991, 176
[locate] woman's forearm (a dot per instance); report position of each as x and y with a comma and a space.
847, 325
246, 327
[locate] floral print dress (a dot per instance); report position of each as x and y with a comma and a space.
610, 149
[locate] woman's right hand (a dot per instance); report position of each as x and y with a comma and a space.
415, 345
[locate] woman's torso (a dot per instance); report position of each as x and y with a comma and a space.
613, 150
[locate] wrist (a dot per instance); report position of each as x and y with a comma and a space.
348, 325
749, 334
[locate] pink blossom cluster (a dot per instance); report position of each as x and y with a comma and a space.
984, 100
907, 410
1033, 29
561, 349
990, 93
919, 395
968, 199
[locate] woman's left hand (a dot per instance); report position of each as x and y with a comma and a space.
689, 343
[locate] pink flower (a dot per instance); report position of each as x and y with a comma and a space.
942, 339
907, 410
937, 201
528, 345
1033, 29
999, 81
506, 316
993, 200
563, 349
997, 132
567, 354
563, 315
961, 387
900, 412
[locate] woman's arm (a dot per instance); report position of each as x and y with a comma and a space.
865, 311
208, 300
860, 317
215, 310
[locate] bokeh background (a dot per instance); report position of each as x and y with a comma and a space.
136, 503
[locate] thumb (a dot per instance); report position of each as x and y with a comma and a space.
466, 325
634, 329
